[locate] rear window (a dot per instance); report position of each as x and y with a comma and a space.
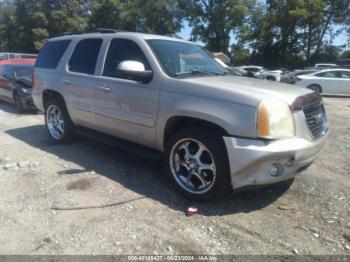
50, 55
85, 56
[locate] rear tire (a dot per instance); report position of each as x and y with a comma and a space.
198, 176
315, 88
58, 123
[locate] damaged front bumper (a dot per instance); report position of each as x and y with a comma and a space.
258, 162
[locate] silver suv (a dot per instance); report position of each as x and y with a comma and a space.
217, 132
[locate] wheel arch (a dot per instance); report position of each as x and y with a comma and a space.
181, 121
318, 85
50, 94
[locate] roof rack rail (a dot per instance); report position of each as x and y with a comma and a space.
69, 33
104, 31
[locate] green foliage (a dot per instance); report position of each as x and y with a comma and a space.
156, 16
214, 22
345, 54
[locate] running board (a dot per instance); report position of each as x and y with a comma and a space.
120, 143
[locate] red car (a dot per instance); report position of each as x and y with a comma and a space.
29, 61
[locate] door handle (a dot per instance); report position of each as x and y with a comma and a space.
67, 82
104, 89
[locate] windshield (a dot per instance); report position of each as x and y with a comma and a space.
184, 59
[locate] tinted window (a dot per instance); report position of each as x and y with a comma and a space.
50, 55
85, 56
8, 72
249, 69
122, 50
330, 74
344, 74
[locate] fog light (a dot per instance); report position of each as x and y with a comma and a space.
275, 170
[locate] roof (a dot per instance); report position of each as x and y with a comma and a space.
335, 69
120, 34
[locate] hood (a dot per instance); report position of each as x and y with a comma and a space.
243, 90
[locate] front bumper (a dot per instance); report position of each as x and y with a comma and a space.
250, 160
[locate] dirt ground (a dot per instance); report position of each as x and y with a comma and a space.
88, 198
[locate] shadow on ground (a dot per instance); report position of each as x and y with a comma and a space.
10, 108
141, 175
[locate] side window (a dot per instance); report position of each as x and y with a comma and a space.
51, 54
330, 74
85, 56
8, 72
252, 69
122, 50
345, 74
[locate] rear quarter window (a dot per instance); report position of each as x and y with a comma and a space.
51, 54
85, 56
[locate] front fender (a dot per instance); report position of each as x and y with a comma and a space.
235, 119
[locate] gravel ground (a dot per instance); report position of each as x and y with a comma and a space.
88, 198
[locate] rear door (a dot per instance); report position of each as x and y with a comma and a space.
329, 82
79, 81
345, 82
126, 108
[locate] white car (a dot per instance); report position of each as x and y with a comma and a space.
263, 73
331, 81
325, 66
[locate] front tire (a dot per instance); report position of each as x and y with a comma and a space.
315, 88
18, 102
58, 123
197, 163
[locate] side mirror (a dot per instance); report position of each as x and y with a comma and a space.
134, 70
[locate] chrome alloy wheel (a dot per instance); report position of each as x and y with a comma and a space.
55, 122
192, 165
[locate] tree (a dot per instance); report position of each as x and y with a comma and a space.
214, 21
281, 29
157, 16
8, 27
38, 20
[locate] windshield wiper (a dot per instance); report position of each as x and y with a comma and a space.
198, 72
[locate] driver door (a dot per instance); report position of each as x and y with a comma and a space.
126, 108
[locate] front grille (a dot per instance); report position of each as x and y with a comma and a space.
316, 119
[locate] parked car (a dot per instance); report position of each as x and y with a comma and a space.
291, 78
262, 73
231, 70
343, 63
170, 96
6, 56
331, 81
325, 66
29, 61
16, 85
238, 71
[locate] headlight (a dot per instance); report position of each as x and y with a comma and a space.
275, 120
27, 91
